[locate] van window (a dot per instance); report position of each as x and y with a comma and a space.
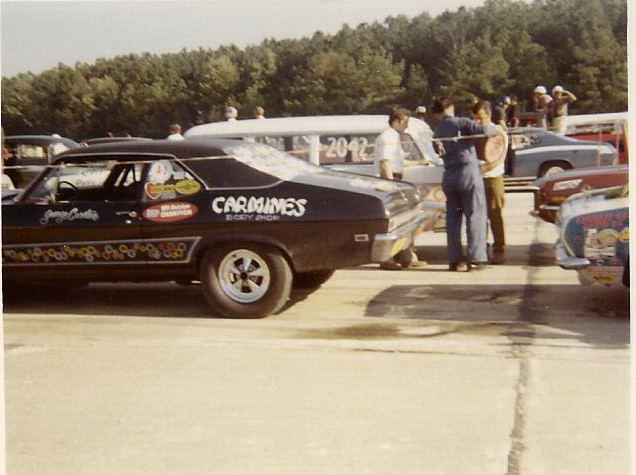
335, 148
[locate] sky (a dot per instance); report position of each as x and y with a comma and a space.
37, 35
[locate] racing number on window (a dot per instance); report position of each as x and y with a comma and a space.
339, 147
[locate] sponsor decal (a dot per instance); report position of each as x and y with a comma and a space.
65, 216
603, 274
187, 187
170, 212
242, 208
613, 219
154, 191
101, 252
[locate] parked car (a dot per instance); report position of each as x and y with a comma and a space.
594, 235
243, 218
610, 128
537, 152
30, 153
344, 143
552, 190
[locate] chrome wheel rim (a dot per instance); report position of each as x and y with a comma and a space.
244, 276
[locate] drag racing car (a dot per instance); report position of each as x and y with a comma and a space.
244, 219
594, 236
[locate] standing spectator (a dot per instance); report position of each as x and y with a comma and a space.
388, 155
463, 186
541, 105
175, 132
420, 112
511, 114
389, 161
230, 113
494, 187
259, 112
560, 100
499, 113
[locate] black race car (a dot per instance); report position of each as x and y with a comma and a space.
243, 218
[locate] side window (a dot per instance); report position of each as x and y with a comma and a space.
95, 181
411, 152
30, 151
167, 179
522, 141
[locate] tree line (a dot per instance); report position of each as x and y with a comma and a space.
505, 47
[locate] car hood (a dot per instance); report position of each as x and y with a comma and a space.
592, 201
580, 172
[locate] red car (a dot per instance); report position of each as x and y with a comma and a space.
610, 128
554, 189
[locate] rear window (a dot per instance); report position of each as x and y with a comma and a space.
229, 173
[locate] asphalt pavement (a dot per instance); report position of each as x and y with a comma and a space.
516, 369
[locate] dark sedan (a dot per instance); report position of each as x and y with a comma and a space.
243, 218
26, 155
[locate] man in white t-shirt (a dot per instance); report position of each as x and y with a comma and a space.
494, 187
389, 162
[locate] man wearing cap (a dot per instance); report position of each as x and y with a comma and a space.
420, 112
541, 104
499, 111
560, 100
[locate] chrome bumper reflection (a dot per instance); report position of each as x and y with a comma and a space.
387, 245
569, 262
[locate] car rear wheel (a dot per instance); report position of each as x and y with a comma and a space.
304, 280
245, 280
550, 168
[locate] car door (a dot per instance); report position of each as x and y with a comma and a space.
175, 213
78, 219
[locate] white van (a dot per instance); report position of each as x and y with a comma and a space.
344, 143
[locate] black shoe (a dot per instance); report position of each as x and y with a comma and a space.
459, 267
473, 266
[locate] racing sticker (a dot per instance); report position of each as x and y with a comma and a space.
602, 237
170, 212
158, 251
242, 208
154, 191
67, 216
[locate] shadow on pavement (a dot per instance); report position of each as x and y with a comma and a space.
124, 299
594, 315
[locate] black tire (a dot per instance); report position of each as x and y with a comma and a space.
233, 292
309, 280
548, 168
404, 257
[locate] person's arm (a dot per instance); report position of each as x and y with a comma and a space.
470, 127
385, 169
571, 97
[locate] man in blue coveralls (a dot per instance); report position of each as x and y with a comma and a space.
464, 187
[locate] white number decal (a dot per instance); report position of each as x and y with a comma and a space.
339, 147
331, 148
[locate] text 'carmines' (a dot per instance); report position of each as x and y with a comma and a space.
259, 205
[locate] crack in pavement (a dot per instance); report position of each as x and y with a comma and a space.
521, 342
